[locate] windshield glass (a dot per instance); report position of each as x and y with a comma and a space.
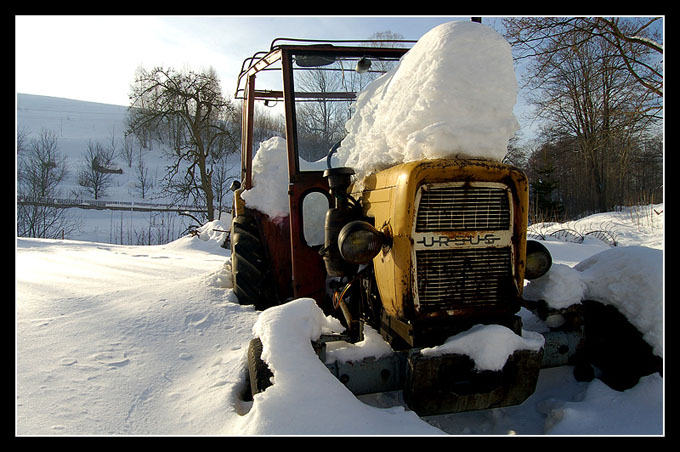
325, 88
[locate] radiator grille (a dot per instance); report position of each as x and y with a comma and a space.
454, 278
463, 209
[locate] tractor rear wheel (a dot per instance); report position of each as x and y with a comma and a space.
252, 278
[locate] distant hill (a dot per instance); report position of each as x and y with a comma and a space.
76, 123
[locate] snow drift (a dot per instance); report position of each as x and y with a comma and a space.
629, 278
299, 375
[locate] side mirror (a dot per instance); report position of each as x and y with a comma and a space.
363, 65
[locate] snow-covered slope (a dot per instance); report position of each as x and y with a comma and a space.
76, 124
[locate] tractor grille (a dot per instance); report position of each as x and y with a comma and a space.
449, 279
463, 209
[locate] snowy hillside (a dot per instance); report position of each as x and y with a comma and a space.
76, 124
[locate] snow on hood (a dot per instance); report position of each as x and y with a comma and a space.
452, 95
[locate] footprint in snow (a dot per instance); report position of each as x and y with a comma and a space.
112, 359
197, 320
67, 361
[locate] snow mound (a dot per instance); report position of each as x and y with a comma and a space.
561, 287
270, 179
452, 95
208, 238
299, 375
629, 278
488, 345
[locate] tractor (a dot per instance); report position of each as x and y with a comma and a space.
420, 251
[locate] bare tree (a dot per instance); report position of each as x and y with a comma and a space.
95, 173
127, 151
144, 182
188, 107
585, 80
634, 42
224, 174
22, 139
41, 169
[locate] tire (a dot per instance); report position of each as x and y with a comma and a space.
252, 279
259, 373
615, 347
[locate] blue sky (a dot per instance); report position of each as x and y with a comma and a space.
94, 58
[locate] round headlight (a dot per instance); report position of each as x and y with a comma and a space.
538, 260
359, 242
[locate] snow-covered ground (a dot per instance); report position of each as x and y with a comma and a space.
150, 340
116, 339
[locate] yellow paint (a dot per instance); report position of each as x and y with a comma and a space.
389, 197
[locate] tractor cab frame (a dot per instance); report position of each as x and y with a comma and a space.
303, 89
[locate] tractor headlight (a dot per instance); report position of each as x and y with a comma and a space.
359, 242
538, 260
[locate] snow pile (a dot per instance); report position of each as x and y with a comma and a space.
488, 345
452, 95
205, 237
629, 278
561, 287
322, 404
269, 193
373, 345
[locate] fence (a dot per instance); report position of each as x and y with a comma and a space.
108, 205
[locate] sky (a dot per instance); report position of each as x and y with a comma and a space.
94, 58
